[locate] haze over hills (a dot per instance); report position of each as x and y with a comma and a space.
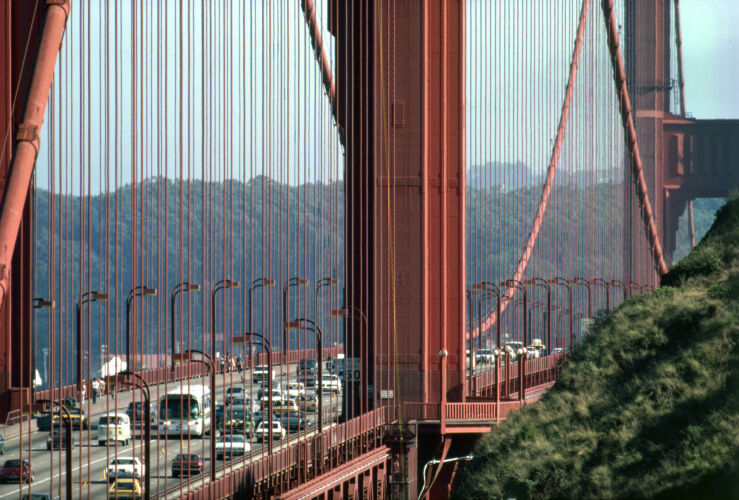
275, 223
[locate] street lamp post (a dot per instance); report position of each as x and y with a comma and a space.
180, 287
604, 284
543, 283
309, 325
220, 285
132, 294
266, 346
208, 361
565, 283
586, 284
257, 283
470, 316
66, 417
355, 312
138, 381
39, 303
622, 286
492, 287
86, 297
520, 286
294, 281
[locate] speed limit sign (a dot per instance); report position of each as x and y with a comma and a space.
353, 369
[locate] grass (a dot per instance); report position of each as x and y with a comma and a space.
647, 407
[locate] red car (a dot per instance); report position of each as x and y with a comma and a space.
188, 464
15, 470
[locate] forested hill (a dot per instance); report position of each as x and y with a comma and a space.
648, 407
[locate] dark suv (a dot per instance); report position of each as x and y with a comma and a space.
308, 366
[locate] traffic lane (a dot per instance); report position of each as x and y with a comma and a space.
92, 460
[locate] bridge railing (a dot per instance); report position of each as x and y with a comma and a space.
304, 458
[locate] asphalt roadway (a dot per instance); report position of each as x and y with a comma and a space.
89, 460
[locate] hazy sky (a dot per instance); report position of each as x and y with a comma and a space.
711, 57
710, 45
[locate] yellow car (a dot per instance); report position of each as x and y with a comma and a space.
126, 488
285, 405
76, 415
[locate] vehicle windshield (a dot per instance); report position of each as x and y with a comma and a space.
176, 406
110, 421
123, 461
232, 438
237, 413
12, 463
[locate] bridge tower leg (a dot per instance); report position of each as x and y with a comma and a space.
647, 59
400, 99
20, 24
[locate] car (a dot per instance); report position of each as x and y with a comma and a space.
17, 470
230, 445
262, 432
331, 383
559, 350
125, 467
233, 392
258, 416
294, 421
237, 420
277, 397
135, 412
187, 464
308, 402
76, 415
285, 405
36, 496
261, 373
126, 488
485, 356
308, 365
219, 409
59, 438
114, 427
295, 390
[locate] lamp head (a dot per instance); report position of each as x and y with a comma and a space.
150, 291
268, 282
336, 313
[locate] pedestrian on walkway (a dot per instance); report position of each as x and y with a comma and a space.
82, 391
95, 389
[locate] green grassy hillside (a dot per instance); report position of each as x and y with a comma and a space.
648, 407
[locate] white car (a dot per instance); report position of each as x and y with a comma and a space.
295, 390
231, 445
125, 467
331, 383
262, 432
485, 356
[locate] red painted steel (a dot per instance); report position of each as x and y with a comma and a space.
627, 120
28, 138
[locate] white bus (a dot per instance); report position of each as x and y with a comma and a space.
185, 410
